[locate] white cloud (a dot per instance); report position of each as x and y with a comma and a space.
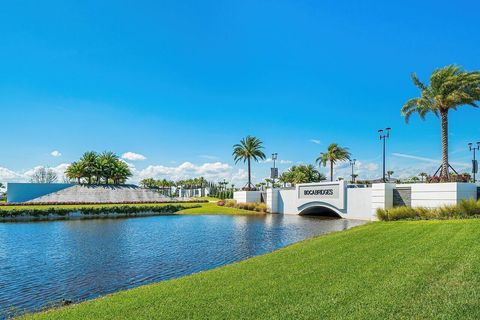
424, 159
56, 153
132, 156
208, 157
281, 161
214, 171
7, 175
316, 141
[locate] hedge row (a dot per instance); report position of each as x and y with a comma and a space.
95, 203
121, 209
464, 210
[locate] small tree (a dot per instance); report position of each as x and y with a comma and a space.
43, 175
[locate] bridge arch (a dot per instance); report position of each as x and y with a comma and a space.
319, 209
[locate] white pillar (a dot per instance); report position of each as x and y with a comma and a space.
382, 197
272, 200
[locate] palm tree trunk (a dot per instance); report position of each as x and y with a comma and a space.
331, 171
249, 173
445, 167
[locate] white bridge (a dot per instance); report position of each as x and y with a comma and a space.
340, 199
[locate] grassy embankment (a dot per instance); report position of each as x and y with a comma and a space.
191, 208
383, 270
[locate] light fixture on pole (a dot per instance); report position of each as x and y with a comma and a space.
352, 164
274, 173
474, 161
384, 135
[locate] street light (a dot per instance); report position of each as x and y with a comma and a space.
384, 135
474, 161
352, 163
274, 171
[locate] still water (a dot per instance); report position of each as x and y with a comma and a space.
42, 263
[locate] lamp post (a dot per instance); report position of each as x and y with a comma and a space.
352, 164
274, 158
474, 162
384, 135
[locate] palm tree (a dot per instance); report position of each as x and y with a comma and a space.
121, 172
414, 179
390, 174
301, 174
107, 161
354, 177
450, 87
334, 154
89, 161
75, 171
249, 148
423, 175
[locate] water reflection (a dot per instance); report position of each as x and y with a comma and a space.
45, 262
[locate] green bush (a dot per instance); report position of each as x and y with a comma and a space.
230, 203
465, 209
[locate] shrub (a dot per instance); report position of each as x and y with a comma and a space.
230, 203
221, 203
252, 206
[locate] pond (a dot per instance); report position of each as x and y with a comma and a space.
42, 263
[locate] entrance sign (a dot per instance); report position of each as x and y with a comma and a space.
320, 192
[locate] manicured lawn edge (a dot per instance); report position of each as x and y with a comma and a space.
394, 270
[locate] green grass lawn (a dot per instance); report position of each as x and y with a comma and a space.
382, 270
205, 208
213, 208
208, 198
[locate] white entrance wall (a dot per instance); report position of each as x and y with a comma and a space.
247, 196
353, 202
434, 195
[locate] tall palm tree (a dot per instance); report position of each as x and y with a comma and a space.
334, 154
450, 87
249, 148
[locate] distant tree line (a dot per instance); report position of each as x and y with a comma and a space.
95, 168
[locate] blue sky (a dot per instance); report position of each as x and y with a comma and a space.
180, 82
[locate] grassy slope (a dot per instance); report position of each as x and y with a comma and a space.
206, 208
213, 208
423, 270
